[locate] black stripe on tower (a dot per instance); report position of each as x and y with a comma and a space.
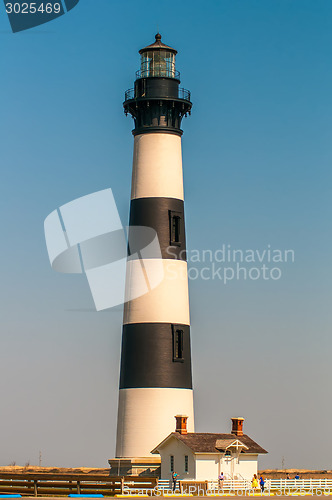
166, 217
155, 355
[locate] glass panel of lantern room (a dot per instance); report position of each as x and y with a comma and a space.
159, 67
170, 69
158, 63
146, 64
152, 65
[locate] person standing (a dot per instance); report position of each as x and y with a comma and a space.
221, 480
262, 483
254, 482
174, 479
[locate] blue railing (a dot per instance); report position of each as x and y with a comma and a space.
182, 94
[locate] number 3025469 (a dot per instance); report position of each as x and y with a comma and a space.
32, 8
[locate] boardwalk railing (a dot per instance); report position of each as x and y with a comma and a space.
317, 486
42, 484
242, 487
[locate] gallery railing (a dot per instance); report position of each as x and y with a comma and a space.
182, 94
159, 72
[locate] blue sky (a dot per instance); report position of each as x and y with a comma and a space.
257, 169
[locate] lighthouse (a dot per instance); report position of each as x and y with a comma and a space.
155, 372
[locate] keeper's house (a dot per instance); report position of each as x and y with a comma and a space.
203, 456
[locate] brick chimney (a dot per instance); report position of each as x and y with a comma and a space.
237, 426
181, 424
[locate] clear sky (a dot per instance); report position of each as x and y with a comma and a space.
257, 169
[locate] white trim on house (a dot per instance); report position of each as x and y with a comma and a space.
204, 466
173, 435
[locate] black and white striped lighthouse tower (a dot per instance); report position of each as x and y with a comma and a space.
155, 378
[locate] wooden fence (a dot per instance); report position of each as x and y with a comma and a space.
43, 484
48, 484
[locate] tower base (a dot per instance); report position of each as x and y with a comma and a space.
141, 466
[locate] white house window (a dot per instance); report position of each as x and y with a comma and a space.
172, 463
228, 453
186, 463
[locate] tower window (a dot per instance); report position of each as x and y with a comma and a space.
175, 228
177, 344
172, 463
186, 463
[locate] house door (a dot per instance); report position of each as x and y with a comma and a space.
227, 466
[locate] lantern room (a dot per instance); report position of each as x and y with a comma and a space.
156, 102
158, 60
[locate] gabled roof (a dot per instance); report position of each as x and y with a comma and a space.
224, 444
203, 442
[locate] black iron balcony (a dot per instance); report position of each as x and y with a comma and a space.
129, 94
182, 94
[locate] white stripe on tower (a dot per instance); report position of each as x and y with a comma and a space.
168, 302
157, 166
155, 376
146, 417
